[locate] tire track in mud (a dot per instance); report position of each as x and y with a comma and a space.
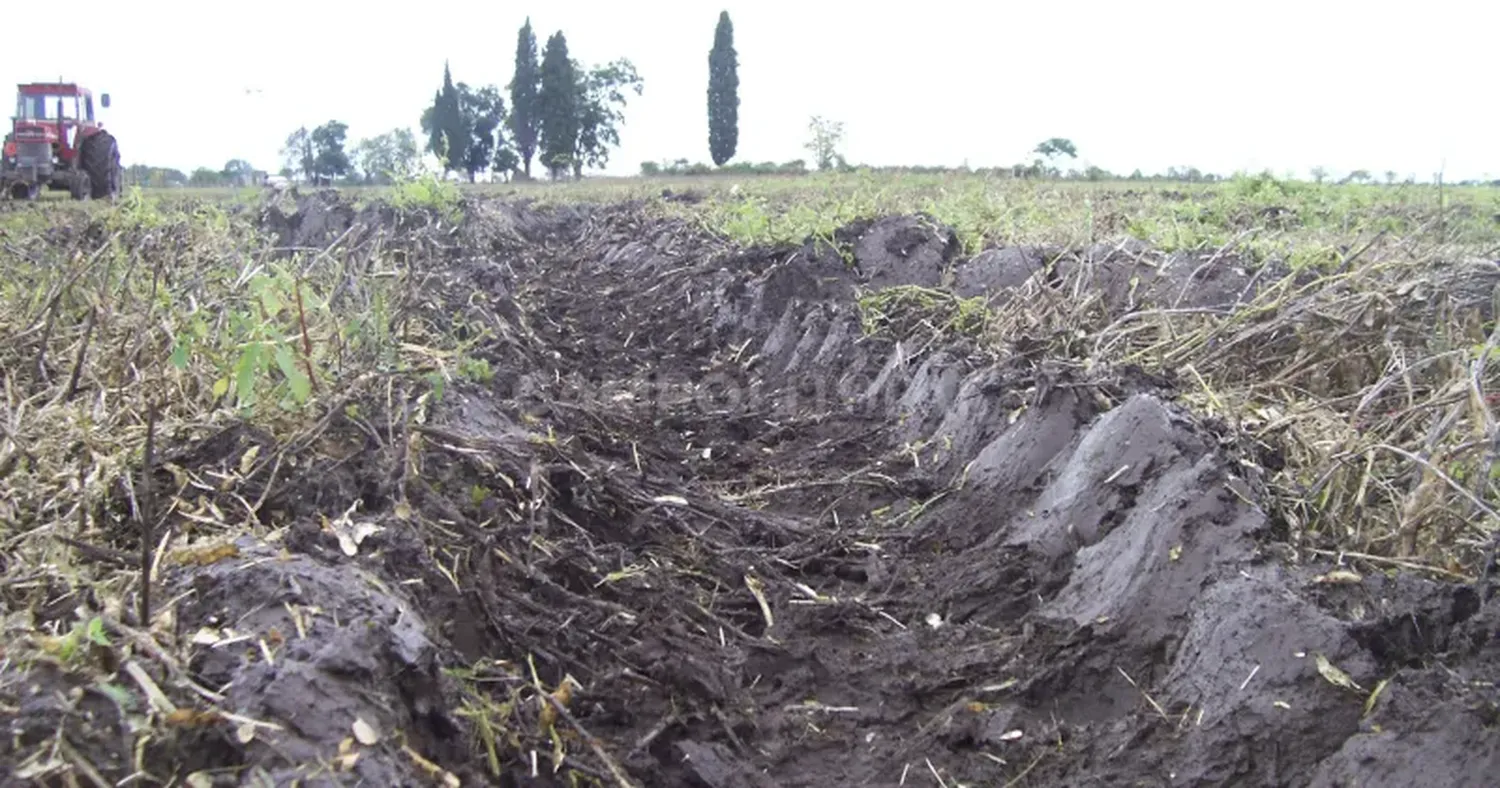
975, 572
1086, 568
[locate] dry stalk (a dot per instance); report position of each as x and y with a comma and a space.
148, 512
83, 347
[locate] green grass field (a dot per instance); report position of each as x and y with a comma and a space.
1260, 215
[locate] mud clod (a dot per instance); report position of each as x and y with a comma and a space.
902, 250
996, 273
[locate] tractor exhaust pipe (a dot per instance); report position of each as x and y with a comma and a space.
62, 132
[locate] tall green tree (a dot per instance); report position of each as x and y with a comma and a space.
723, 93
601, 99
558, 106
448, 137
524, 119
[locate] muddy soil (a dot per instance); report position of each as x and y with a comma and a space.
773, 551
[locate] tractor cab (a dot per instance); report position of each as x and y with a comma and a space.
54, 102
53, 142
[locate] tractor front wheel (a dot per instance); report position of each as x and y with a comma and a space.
101, 160
78, 186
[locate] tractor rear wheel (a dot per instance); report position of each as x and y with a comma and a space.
101, 160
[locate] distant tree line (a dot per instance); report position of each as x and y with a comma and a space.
322, 156
685, 167
236, 172
566, 117
562, 114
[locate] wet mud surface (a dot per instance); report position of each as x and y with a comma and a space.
761, 548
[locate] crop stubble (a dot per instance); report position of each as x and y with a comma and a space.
726, 516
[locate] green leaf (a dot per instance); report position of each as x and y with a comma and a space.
264, 288
272, 301
180, 355
220, 387
118, 694
96, 631
68, 646
244, 374
301, 387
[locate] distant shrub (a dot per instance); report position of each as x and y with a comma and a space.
1033, 170
685, 167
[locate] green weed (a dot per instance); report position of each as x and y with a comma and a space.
426, 191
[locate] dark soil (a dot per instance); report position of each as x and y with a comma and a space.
976, 573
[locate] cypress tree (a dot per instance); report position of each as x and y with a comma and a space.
523, 96
450, 118
723, 93
557, 105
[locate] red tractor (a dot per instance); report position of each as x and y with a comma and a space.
55, 141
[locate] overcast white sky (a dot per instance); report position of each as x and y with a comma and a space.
1149, 84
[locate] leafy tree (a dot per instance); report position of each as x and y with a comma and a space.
1319, 174
506, 161
525, 118
238, 172
1055, 148
403, 152
600, 99
824, 145
297, 153
330, 160
482, 112
723, 93
443, 123
387, 157
557, 106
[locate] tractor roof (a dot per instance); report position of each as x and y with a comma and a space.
51, 89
